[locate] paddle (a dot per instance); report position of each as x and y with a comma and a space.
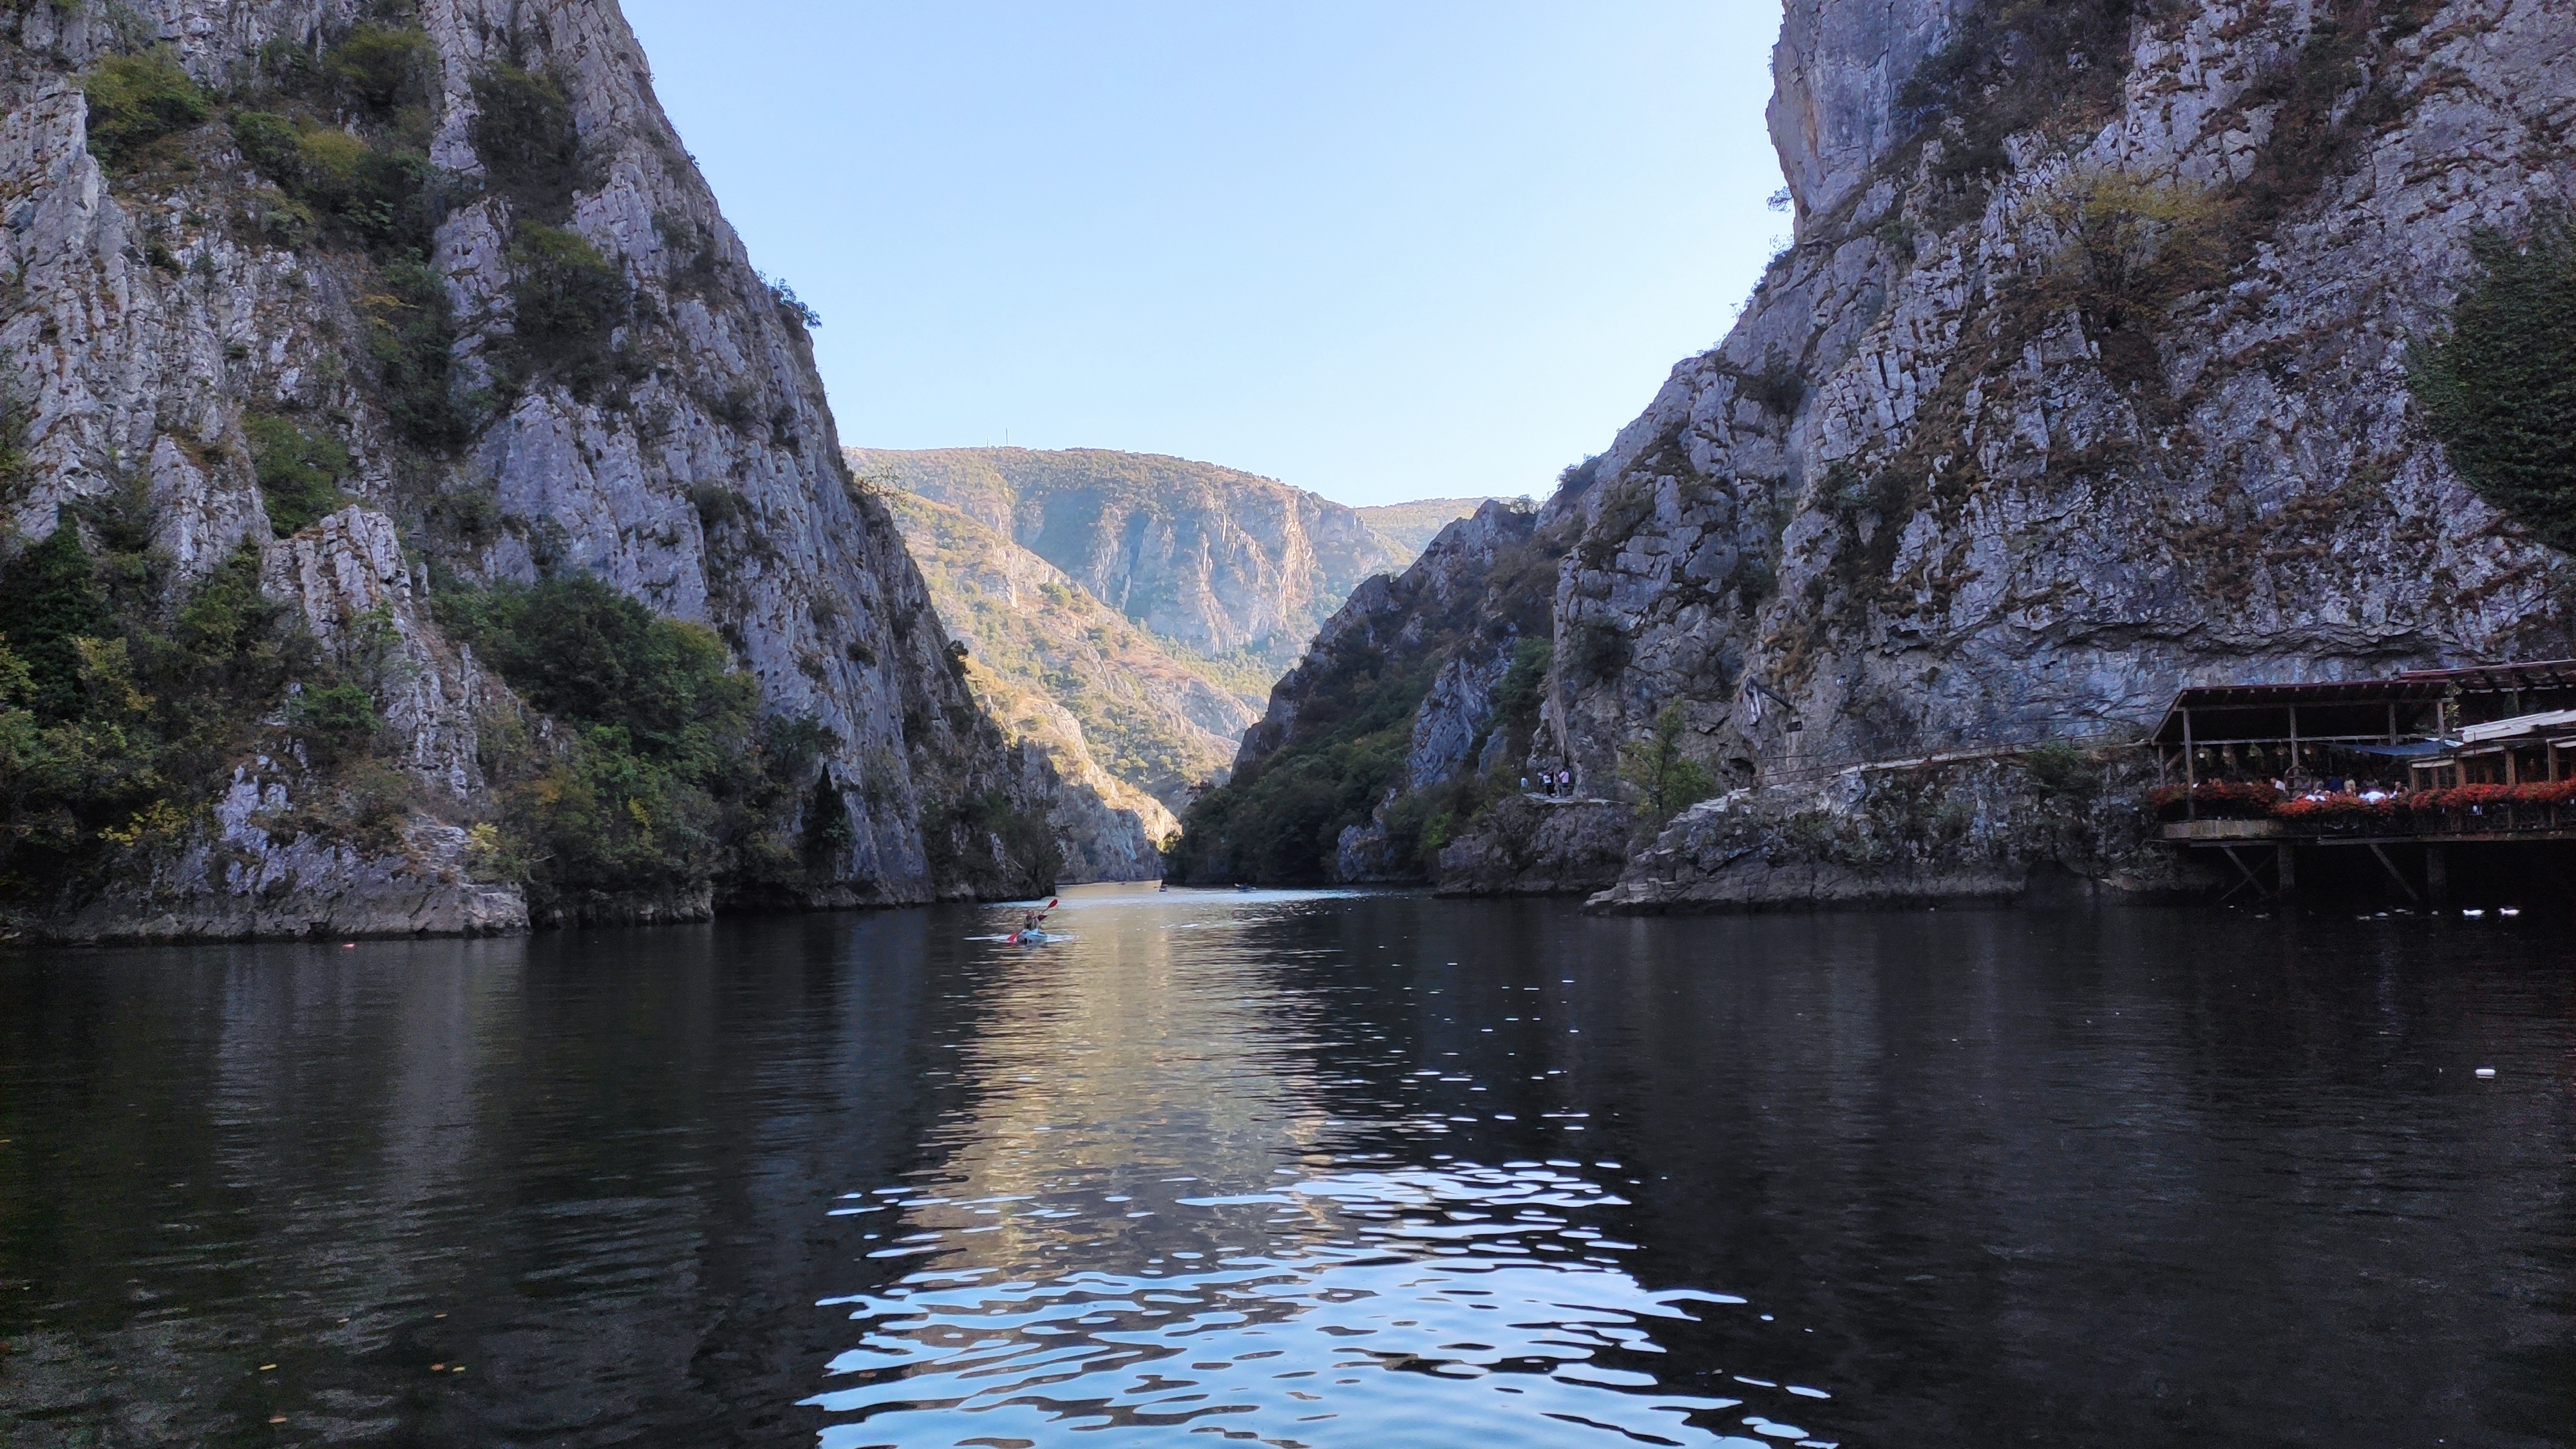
1042, 915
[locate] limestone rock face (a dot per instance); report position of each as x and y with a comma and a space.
1958, 477
1963, 831
1540, 847
360, 597
1836, 73
1401, 613
2085, 380
150, 311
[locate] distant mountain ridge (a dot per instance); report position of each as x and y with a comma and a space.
1412, 526
1225, 564
1130, 709
1213, 581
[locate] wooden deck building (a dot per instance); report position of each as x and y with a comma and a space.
2335, 747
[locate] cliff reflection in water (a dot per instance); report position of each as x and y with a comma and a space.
1320, 1169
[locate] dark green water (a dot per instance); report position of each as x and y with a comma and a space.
1301, 1170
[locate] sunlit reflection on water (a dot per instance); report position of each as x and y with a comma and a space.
1144, 1220
1387, 1306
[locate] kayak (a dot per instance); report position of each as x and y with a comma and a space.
1033, 938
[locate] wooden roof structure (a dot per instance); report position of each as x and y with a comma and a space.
2355, 711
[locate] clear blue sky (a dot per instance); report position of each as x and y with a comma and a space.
1388, 250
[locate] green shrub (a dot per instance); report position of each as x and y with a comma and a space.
50, 596
384, 68
2133, 249
299, 472
1279, 818
383, 192
2500, 389
958, 845
1778, 388
135, 100
1575, 478
1524, 685
2060, 770
523, 128
1667, 780
578, 649
670, 780
17, 424
335, 720
116, 732
567, 298
411, 335
1599, 651
1421, 823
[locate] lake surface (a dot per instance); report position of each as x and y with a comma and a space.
1301, 1169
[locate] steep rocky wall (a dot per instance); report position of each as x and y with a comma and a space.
2016, 444
1969, 830
1402, 690
2086, 379
149, 311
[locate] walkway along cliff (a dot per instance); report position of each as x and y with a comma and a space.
2121, 348
418, 515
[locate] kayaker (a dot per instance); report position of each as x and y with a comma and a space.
1029, 921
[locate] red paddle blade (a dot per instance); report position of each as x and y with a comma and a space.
1051, 900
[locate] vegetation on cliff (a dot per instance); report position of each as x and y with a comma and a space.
2500, 389
228, 703
657, 774
1276, 821
1667, 780
1335, 750
120, 714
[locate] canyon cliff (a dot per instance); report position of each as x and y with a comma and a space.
2096, 369
1129, 729
420, 516
1235, 570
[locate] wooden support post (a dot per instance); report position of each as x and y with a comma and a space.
2512, 767
2285, 867
2190, 772
2437, 876
2251, 879
2392, 722
2395, 874
2294, 745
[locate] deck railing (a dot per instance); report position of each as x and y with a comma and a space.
2500, 812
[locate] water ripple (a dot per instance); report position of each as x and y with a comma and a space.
1395, 1289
